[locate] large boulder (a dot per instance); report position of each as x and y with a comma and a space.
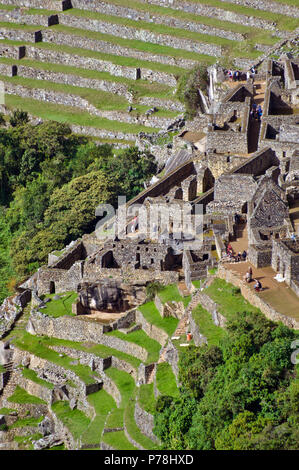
111, 295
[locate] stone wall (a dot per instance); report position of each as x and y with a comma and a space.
45, 4
260, 256
13, 52
139, 15
75, 80
145, 422
218, 13
151, 330
76, 101
129, 32
18, 16
255, 299
20, 35
198, 338
73, 60
76, 329
211, 306
268, 5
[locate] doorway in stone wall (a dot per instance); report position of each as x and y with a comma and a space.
52, 287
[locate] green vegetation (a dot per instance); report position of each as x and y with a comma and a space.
63, 306
171, 293
133, 429
239, 395
152, 315
118, 440
206, 325
75, 420
146, 398
21, 396
103, 403
188, 86
32, 375
229, 299
166, 382
140, 338
6, 411
20, 423
51, 183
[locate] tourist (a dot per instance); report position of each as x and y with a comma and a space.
293, 237
244, 255
257, 286
247, 277
238, 257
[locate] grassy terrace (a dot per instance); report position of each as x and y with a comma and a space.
171, 293
60, 307
152, 315
283, 22
103, 404
146, 397
72, 116
138, 87
166, 383
141, 339
126, 385
133, 429
32, 375
75, 420
229, 298
20, 396
38, 346
261, 36
206, 325
137, 44
115, 59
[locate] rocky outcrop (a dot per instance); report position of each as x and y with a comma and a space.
111, 295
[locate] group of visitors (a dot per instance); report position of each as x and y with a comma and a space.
235, 257
256, 112
234, 75
248, 278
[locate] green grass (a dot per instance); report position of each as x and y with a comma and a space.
21, 396
261, 35
25, 442
283, 22
103, 403
21, 423
70, 115
126, 386
6, 411
165, 379
146, 398
229, 300
133, 429
196, 284
115, 59
171, 293
140, 337
239, 47
138, 87
206, 326
2, 369
32, 375
38, 346
152, 315
75, 420
61, 307
117, 440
